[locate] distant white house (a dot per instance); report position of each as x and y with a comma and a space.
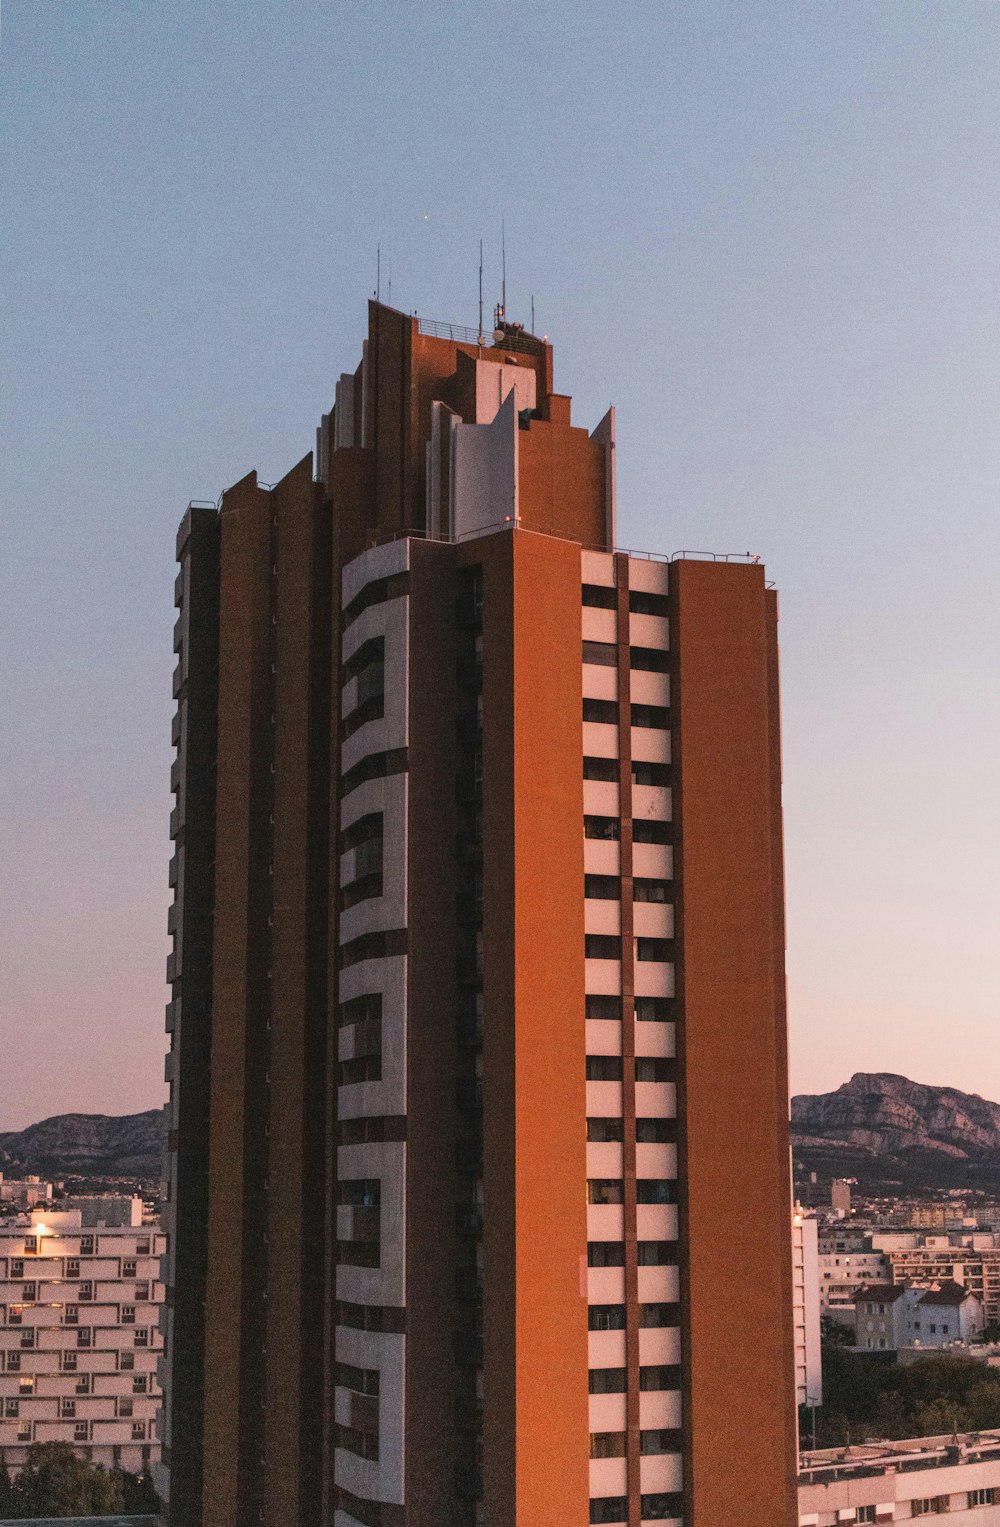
890, 1317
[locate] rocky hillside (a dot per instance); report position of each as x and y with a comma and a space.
86, 1144
883, 1127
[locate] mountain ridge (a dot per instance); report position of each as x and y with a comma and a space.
86, 1144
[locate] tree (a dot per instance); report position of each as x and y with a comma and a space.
56, 1482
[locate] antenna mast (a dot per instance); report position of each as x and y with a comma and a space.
378, 272
480, 291
503, 267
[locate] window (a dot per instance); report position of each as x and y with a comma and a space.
646, 831
30, 1244
67, 1409
602, 887
658, 949
605, 1008
128, 1269
71, 1315
128, 1315
142, 1291
72, 1267
29, 1293
28, 1338
987, 1497
656, 1316
605, 1131
657, 1508
598, 597
139, 1383
607, 1444
142, 1248
661, 1440
81, 1432
24, 1431
608, 829
68, 1363
655, 1253
11, 1409
657, 774
654, 1009
13, 1362
606, 1317
604, 1068
606, 946
601, 768
605, 1190
138, 1431
650, 1068
141, 1337
360, 1192
654, 1190
608, 1508
602, 711
660, 1376
14, 1314
929, 1505
651, 715
652, 890
649, 659
866, 1514
16, 1268
126, 1360
641, 603
83, 1337
360, 1380
607, 1380
88, 1245
125, 1408
86, 1292
82, 1385
605, 1253
656, 1131
26, 1385
603, 654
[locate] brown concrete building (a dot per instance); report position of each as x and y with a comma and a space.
478, 1026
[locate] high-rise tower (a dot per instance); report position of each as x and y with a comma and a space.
478, 1027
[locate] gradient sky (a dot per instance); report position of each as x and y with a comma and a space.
767, 232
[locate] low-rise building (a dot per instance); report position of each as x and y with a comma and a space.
898, 1481
79, 1339
891, 1317
24, 1192
845, 1263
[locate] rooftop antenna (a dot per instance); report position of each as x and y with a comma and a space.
480, 291
503, 267
532, 312
378, 272
389, 298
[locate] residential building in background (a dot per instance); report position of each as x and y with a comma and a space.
79, 1339
893, 1317
24, 1192
886, 1482
844, 1264
478, 1016
806, 1309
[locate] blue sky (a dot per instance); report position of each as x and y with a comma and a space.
767, 232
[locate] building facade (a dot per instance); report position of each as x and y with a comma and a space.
477, 1018
885, 1482
79, 1339
806, 1309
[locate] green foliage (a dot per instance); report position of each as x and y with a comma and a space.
55, 1481
835, 1333
867, 1396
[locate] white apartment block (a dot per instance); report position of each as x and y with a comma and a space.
806, 1308
888, 1482
79, 1310
841, 1272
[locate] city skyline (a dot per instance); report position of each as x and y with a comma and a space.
808, 280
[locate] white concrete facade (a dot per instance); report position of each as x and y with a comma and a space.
902, 1482
806, 1309
79, 1339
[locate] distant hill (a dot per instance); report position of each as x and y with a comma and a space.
86, 1144
885, 1129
